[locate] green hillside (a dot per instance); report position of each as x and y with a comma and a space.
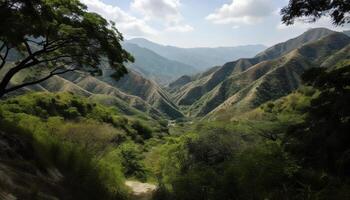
84, 83
135, 84
142, 96
246, 83
276, 78
194, 90
288, 46
54, 143
293, 147
92, 110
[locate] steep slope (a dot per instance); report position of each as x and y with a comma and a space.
135, 84
339, 59
176, 85
199, 87
97, 87
201, 58
156, 67
132, 94
21, 177
276, 78
83, 84
290, 45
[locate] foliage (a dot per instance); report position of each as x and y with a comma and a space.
321, 144
217, 165
338, 10
90, 144
142, 129
58, 36
302, 152
85, 176
131, 156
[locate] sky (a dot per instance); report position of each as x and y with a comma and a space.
203, 23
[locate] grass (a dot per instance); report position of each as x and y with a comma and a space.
94, 146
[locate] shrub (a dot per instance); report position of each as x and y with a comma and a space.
142, 129
131, 161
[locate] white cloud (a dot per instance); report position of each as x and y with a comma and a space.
158, 9
180, 28
166, 11
242, 12
125, 22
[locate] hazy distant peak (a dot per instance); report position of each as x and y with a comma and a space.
201, 58
143, 41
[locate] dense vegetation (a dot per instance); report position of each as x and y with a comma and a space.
58, 37
93, 146
265, 129
337, 10
296, 148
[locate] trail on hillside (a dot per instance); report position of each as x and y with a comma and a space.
141, 191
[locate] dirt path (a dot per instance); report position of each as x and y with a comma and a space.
141, 191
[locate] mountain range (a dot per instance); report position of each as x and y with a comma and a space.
220, 91
247, 83
156, 67
199, 58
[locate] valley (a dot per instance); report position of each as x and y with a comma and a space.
87, 114
245, 82
204, 102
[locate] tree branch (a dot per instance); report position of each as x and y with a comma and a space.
3, 58
37, 43
60, 57
28, 62
8, 76
52, 73
2, 46
29, 50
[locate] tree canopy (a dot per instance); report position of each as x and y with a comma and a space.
54, 37
323, 141
337, 10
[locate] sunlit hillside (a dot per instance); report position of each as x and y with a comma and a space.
174, 100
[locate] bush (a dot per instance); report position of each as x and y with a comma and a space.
131, 161
142, 129
217, 165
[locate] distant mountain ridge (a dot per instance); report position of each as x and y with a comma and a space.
279, 77
246, 83
232, 88
193, 91
156, 67
288, 46
201, 58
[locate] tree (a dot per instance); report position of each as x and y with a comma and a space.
52, 37
323, 141
338, 10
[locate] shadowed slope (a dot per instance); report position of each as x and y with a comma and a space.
135, 84
281, 78
194, 90
155, 67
